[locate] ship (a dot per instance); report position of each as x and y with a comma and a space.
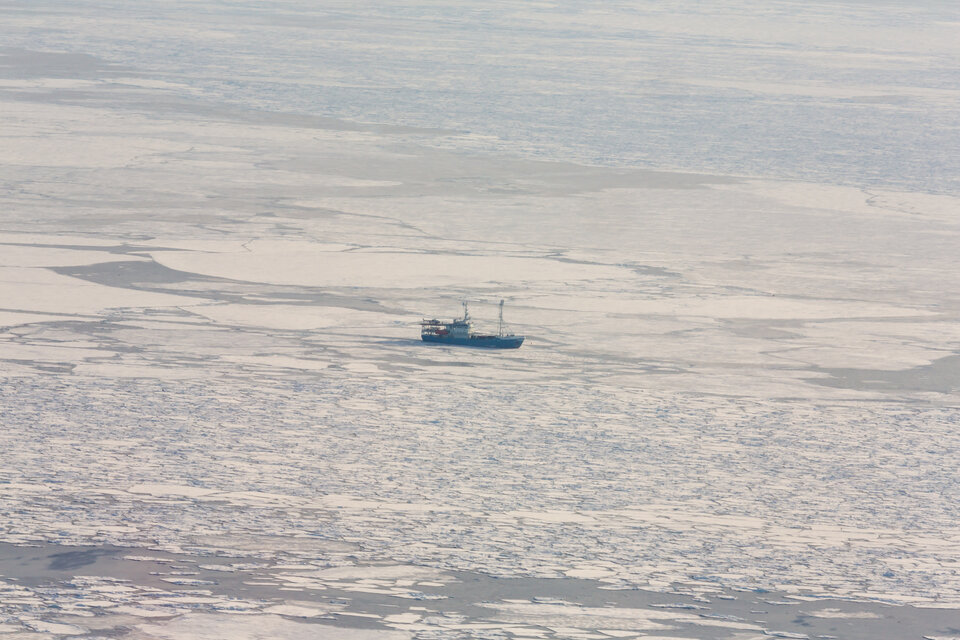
458, 332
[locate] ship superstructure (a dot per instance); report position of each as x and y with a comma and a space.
457, 331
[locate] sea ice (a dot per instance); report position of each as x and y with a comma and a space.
257, 627
211, 284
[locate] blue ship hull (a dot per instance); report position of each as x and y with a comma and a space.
486, 342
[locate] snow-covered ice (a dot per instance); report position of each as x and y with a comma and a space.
258, 627
729, 234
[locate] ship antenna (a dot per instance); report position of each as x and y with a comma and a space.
501, 318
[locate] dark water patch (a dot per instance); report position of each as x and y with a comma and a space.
44, 367
705, 614
24, 63
68, 560
940, 376
147, 275
127, 274
660, 272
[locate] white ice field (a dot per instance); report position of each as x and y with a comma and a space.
729, 233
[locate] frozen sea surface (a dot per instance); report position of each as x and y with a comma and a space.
861, 93
107, 591
221, 224
547, 480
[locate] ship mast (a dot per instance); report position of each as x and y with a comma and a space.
465, 314
500, 333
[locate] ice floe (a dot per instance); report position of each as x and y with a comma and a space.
257, 627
